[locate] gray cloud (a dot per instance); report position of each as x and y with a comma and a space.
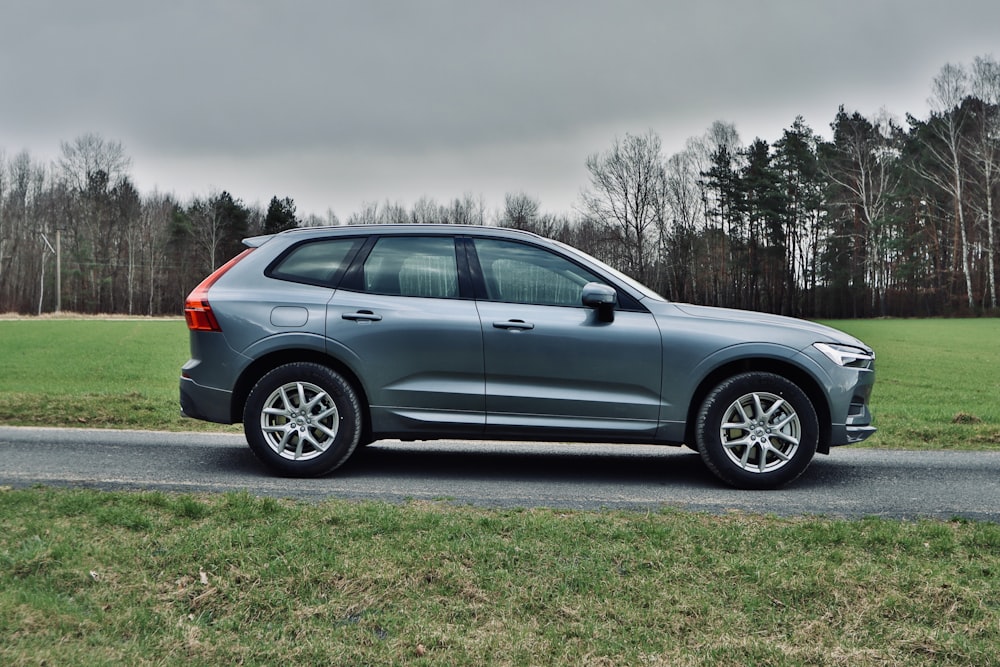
367, 93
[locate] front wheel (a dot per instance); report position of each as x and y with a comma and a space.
757, 431
302, 419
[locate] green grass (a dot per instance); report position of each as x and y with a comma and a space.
90, 578
113, 373
938, 380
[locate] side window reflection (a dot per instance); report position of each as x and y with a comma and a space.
519, 273
316, 261
412, 266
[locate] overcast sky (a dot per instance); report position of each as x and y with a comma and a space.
337, 103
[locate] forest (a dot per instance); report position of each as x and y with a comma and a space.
885, 218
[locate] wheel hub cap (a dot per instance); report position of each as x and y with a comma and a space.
299, 420
760, 432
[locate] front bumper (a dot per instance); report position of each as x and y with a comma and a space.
858, 425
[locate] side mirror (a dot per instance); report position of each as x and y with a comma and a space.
601, 298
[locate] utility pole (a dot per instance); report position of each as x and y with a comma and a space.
57, 251
58, 270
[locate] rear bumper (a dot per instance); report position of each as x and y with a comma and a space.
205, 403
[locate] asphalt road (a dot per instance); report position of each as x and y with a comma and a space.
848, 483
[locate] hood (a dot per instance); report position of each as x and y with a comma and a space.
817, 333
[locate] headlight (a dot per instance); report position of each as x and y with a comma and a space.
846, 355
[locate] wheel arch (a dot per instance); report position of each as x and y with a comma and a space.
806, 382
268, 362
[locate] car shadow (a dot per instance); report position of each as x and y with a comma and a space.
610, 465
626, 466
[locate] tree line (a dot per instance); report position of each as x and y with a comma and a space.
884, 218
879, 220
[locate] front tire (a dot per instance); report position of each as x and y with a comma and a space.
757, 431
302, 420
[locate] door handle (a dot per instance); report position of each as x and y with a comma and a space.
362, 316
514, 325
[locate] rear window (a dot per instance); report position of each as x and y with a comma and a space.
316, 262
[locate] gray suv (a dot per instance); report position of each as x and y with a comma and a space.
321, 340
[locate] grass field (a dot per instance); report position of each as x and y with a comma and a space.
114, 373
938, 382
97, 578
937, 388
90, 578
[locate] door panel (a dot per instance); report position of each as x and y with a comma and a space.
421, 360
550, 362
559, 367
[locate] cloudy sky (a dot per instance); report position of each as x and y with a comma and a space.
335, 103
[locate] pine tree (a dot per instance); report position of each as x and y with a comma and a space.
280, 216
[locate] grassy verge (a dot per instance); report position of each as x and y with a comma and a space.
937, 386
113, 373
91, 578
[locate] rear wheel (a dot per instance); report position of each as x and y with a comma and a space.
757, 431
302, 419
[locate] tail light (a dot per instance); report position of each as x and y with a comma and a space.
197, 310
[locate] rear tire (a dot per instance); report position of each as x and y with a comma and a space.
757, 431
302, 420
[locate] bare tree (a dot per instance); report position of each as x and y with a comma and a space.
23, 185
4, 224
368, 215
684, 215
426, 211
626, 187
395, 213
149, 240
520, 211
722, 135
207, 227
984, 151
89, 154
946, 125
862, 163
467, 210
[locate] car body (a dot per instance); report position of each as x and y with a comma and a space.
323, 339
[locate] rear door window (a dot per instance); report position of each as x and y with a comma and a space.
412, 266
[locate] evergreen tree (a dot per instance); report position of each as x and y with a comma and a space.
766, 211
797, 162
724, 211
280, 216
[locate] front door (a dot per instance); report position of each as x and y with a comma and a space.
551, 362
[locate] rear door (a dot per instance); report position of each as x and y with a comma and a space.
405, 320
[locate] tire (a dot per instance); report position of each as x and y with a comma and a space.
757, 431
302, 420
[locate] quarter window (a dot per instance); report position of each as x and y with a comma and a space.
315, 262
